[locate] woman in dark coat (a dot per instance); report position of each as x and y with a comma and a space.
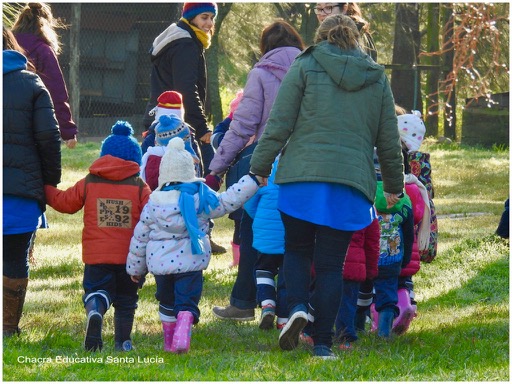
31, 158
179, 65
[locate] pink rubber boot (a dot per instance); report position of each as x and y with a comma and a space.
236, 254
407, 312
168, 328
375, 318
181, 339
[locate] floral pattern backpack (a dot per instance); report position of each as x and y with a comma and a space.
421, 168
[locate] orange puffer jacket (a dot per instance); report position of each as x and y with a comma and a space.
112, 196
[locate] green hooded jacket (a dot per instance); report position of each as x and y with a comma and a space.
332, 109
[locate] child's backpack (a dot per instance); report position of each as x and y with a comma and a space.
421, 168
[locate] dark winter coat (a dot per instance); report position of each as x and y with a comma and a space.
179, 65
31, 139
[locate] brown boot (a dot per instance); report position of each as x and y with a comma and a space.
14, 298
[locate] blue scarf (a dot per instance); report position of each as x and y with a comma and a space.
208, 201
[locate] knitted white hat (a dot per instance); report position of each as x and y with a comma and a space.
412, 130
177, 164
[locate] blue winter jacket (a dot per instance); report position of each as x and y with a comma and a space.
267, 227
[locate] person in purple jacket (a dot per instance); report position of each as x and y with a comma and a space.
34, 29
280, 44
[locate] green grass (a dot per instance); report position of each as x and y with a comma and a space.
461, 332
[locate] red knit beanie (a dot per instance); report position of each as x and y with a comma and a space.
169, 102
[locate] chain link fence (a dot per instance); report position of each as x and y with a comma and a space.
114, 63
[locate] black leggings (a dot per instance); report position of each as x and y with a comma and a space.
15, 255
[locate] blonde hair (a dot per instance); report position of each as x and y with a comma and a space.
37, 19
339, 30
399, 110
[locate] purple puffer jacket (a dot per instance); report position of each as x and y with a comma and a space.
251, 116
47, 67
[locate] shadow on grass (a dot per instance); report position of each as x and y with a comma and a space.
490, 285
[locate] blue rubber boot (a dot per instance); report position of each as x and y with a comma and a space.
386, 318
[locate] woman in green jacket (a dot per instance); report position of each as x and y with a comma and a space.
334, 106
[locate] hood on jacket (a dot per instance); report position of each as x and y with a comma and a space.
278, 60
171, 33
13, 61
30, 42
114, 168
350, 70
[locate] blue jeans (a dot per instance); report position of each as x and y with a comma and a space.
307, 243
268, 267
180, 292
243, 294
113, 279
345, 327
386, 287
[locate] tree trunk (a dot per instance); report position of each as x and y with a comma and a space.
214, 107
301, 16
74, 62
431, 87
405, 84
450, 117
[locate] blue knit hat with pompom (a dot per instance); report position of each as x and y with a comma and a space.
121, 143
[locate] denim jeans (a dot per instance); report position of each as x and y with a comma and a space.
243, 294
386, 287
307, 243
268, 267
113, 279
15, 255
345, 327
180, 292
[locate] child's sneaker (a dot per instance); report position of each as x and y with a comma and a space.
306, 338
289, 336
346, 346
267, 316
323, 352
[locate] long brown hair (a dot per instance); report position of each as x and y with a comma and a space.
280, 34
10, 43
37, 19
355, 13
339, 30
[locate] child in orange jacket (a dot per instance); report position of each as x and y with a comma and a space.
112, 196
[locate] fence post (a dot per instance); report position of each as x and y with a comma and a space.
74, 62
450, 110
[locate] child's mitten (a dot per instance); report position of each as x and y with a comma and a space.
213, 181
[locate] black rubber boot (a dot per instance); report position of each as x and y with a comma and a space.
123, 324
95, 307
